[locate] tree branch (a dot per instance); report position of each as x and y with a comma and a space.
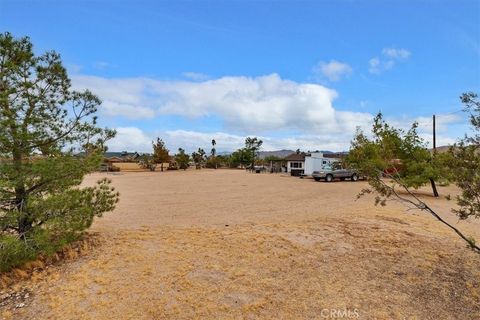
421, 205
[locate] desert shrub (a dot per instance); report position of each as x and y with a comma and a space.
213, 163
146, 162
182, 159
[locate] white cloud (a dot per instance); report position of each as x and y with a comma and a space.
425, 124
333, 70
442, 122
113, 108
441, 140
130, 139
248, 105
391, 56
378, 66
446, 124
134, 139
74, 68
266, 106
192, 140
396, 53
196, 76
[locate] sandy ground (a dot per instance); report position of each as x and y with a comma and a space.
226, 244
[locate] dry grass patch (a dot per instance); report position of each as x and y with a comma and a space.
18, 286
292, 248
271, 272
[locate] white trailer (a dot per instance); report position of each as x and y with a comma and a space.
315, 162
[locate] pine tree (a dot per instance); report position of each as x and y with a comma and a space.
42, 123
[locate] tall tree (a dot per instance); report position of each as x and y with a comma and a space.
160, 153
253, 146
463, 160
395, 162
199, 158
241, 157
395, 151
42, 121
182, 159
213, 154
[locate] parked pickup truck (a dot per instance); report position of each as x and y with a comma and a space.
336, 171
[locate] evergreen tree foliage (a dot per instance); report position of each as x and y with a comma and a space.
43, 122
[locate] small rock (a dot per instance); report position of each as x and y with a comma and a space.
20, 305
5, 296
26, 295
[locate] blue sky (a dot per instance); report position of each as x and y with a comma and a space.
299, 74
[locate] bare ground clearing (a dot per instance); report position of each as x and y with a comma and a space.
229, 244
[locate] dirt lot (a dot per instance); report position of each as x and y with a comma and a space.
226, 244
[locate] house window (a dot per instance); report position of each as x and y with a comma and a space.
296, 165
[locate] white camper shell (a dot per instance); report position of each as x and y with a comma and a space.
315, 161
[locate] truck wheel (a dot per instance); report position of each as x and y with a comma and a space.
329, 178
354, 177
317, 179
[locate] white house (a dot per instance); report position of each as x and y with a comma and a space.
295, 164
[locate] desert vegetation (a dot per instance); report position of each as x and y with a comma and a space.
42, 122
177, 250
396, 162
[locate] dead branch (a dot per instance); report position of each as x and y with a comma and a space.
421, 205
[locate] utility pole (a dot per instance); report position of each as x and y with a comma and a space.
432, 182
434, 136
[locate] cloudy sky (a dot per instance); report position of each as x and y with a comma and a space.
300, 74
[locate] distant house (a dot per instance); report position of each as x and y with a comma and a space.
124, 156
123, 161
296, 163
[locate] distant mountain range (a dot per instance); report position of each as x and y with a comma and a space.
278, 153
262, 154
275, 153
284, 153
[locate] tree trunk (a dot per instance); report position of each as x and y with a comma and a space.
24, 223
161, 167
434, 188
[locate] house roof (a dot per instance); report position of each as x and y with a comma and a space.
338, 155
122, 154
115, 159
296, 157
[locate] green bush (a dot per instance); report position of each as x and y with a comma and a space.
14, 251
